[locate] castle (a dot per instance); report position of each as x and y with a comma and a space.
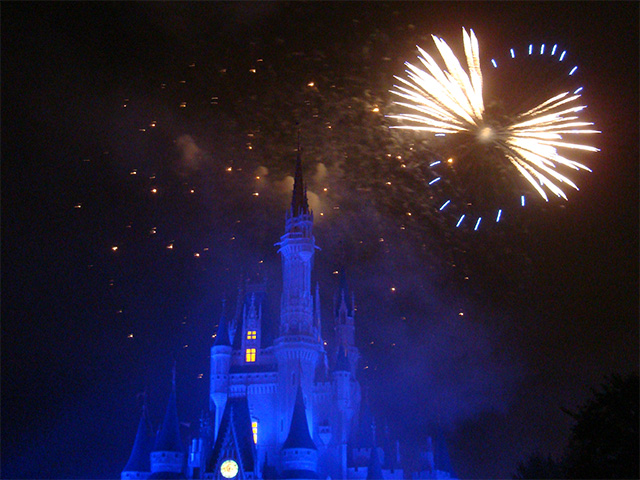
280, 408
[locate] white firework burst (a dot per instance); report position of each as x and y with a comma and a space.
450, 101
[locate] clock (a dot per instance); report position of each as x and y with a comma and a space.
229, 469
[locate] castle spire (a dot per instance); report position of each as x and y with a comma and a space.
299, 436
220, 364
168, 438
343, 296
222, 336
297, 247
344, 324
299, 203
168, 453
138, 465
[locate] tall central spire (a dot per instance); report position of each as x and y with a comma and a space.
297, 247
299, 203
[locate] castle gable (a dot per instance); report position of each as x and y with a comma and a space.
234, 441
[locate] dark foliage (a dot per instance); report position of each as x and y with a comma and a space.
539, 467
604, 439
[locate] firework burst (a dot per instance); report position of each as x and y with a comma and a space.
449, 102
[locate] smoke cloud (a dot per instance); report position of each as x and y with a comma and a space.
191, 156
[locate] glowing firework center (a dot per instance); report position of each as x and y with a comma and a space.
450, 101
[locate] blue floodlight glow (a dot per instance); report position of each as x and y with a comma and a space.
460, 221
433, 164
522, 200
562, 55
513, 54
445, 204
553, 50
434, 180
499, 215
440, 134
541, 49
573, 70
493, 62
530, 49
578, 90
477, 224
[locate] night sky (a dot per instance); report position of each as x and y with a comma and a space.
147, 153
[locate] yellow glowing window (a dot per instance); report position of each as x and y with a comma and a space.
254, 429
251, 335
251, 355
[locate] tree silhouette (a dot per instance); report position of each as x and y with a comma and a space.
604, 439
539, 467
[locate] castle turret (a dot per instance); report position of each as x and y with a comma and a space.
343, 394
297, 247
220, 364
344, 324
299, 452
167, 455
139, 466
298, 347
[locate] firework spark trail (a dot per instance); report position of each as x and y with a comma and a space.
449, 101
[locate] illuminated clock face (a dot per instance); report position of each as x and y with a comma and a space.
229, 469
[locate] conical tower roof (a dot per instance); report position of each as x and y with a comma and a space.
299, 436
168, 439
139, 459
343, 294
299, 203
222, 336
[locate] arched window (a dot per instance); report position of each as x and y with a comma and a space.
254, 429
250, 355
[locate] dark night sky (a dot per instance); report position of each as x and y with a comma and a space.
549, 297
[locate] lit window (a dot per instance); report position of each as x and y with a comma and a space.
251, 335
251, 355
254, 429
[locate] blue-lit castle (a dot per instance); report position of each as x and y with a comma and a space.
282, 406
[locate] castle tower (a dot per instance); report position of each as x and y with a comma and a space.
168, 453
341, 376
298, 347
345, 407
251, 329
299, 452
297, 247
344, 323
220, 364
139, 466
